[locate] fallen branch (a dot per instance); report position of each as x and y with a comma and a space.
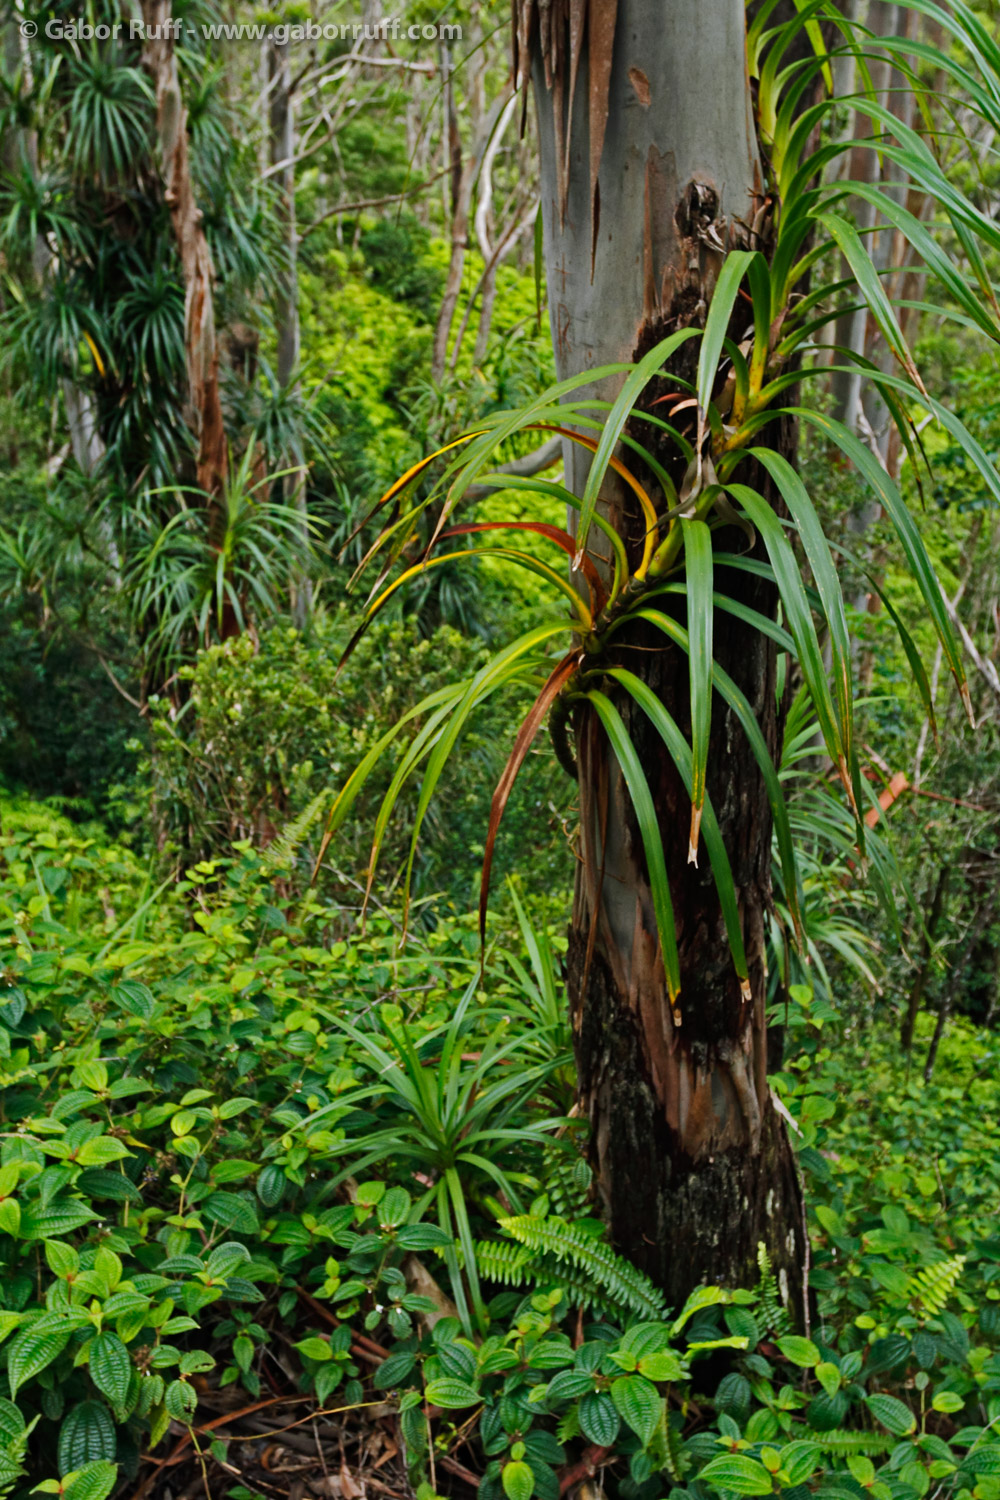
362, 1346
460, 1471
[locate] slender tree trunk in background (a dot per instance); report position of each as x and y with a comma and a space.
463, 170
458, 200
860, 405
19, 153
286, 298
196, 258
920, 983
84, 434
978, 924
650, 173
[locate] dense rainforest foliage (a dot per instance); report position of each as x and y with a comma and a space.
499, 752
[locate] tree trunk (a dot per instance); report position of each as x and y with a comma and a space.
286, 303
946, 1004
920, 983
196, 258
650, 173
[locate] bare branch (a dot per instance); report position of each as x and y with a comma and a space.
520, 468
363, 203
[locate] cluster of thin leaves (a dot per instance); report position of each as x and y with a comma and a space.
740, 381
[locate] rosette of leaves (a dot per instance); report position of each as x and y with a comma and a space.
465, 1119
755, 349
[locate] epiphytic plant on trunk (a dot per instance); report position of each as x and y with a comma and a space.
696, 558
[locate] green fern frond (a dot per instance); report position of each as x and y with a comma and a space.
580, 1289
841, 1442
567, 1181
503, 1262
608, 1275
281, 853
516, 1265
931, 1287
673, 1455
569, 1424
772, 1316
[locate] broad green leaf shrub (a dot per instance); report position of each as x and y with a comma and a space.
220, 1125
181, 1096
903, 1177
270, 734
823, 1414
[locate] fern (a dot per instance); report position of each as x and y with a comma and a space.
931, 1287
841, 1442
503, 1262
280, 854
567, 1181
771, 1315
593, 1270
516, 1265
674, 1454
580, 1290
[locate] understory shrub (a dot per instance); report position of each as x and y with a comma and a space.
237, 1151
272, 730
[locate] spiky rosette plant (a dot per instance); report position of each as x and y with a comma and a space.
689, 491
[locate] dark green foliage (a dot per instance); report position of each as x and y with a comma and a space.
395, 253
269, 731
175, 1107
65, 730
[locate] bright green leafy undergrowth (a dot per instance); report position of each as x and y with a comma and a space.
226, 1133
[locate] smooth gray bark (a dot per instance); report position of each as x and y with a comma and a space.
693, 1164
679, 113
286, 297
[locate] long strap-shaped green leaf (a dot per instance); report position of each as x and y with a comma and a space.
930, 252
817, 550
416, 750
738, 702
800, 623
743, 612
680, 753
698, 571
508, 554
860, 262
905, 639
555, 490
913, 545
493, 430
720, 310
912, 656
649, 830
972, 449
449, 694
635, 382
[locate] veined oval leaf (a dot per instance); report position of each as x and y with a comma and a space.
110, 1367
732, 1471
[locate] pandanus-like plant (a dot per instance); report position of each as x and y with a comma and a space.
755, 348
